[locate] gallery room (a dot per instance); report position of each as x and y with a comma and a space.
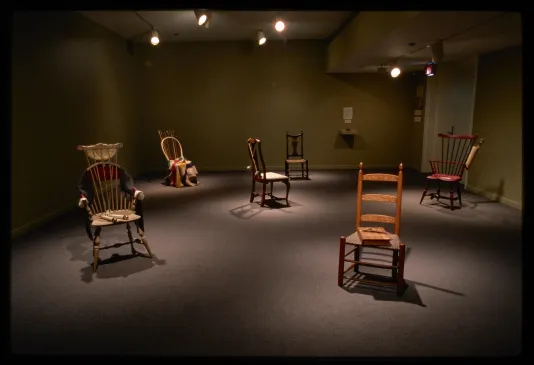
266, 183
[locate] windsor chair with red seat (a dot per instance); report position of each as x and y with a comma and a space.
457, 155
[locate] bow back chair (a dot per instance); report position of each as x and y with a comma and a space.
182, 172
109, 198
260, 174
295, 155
367, 240
457, 155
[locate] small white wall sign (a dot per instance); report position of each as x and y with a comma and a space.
347, 113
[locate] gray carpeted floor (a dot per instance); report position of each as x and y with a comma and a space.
232, 279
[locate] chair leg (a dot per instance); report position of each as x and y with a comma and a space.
253, 190
341, 265
400, 271
395, 262
424, 192
130, 237
438, 192
459, 190
271, 188
96, 248
144, 241
451, 195
357, 255
302, 170
307, 171
287, 169
264, 185
287, 191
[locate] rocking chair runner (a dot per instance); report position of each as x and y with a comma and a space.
109, 198
260, 174
457, 155
181, 171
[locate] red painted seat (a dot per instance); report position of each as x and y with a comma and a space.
457, 154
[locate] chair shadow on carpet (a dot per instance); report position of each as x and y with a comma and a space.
250, 210
411, 294
114, 262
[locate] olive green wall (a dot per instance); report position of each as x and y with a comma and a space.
73, 82
216, 95
497, 171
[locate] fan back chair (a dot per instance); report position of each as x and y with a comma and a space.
182, 172
260, 174
457, 155
110, 198
390, 243
295, 155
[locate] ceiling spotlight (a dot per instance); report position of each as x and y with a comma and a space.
261, 38
203, 18
154, 39
395, 71
279, 26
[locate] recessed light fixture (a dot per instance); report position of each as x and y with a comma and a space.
261, 38
395, 72
279, 26
203, 18
154, 38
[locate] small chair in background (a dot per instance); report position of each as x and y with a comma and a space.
182, 172
295, 155
457, 155
260, 174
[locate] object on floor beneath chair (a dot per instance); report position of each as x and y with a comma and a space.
109, 197
457, 155
182, 172
390, 243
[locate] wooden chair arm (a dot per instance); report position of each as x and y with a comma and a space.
82, 203
138, 194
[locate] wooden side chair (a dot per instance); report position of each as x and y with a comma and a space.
182, 172
376, 239
295, 155
457, 154
109, 197
260, 174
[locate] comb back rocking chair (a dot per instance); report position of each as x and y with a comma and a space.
109, 198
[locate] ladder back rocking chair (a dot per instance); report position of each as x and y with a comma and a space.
375, 240
457, 155
260, 174
109, 198
295, 155
182, 172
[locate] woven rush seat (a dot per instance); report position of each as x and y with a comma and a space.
354, 239
301, 160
